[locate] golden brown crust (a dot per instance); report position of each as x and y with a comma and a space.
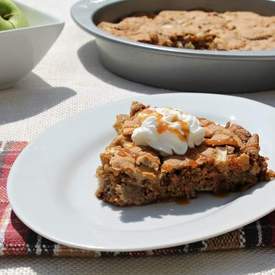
198, 30
227, 160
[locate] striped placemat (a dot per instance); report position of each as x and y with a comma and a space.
16, 239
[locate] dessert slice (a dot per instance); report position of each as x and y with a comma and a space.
163, 154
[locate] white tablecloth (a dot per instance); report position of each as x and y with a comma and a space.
71, 79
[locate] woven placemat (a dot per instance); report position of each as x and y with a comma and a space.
17, 239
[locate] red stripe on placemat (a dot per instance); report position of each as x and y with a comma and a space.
15, 146
15, 238
3, 191
7, 157
3, 207
15, 231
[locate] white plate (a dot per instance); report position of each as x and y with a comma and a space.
52, 184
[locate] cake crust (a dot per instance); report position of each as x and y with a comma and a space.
228, 160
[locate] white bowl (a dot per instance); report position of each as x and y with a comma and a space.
21, 49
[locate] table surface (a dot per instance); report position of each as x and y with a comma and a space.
71, 79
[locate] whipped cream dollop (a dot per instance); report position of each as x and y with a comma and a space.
168, 130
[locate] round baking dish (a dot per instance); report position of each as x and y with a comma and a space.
173, 68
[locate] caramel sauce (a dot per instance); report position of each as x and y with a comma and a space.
167, 167
145, 113
193, 163
162, 126
123, 153
148, 111
182, 201
221, 194
245, 188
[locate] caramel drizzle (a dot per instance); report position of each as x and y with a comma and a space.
182, 201
162, 126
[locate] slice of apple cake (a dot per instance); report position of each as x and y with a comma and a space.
164, 153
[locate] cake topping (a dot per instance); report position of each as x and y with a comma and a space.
168, 130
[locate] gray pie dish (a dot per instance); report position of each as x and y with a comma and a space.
173, 68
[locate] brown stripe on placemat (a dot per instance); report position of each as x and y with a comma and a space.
271, 220
31, 240
227, 241
137, 253
61, 250
47, 247
251, 235
196, 247
266, 231
242, 238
